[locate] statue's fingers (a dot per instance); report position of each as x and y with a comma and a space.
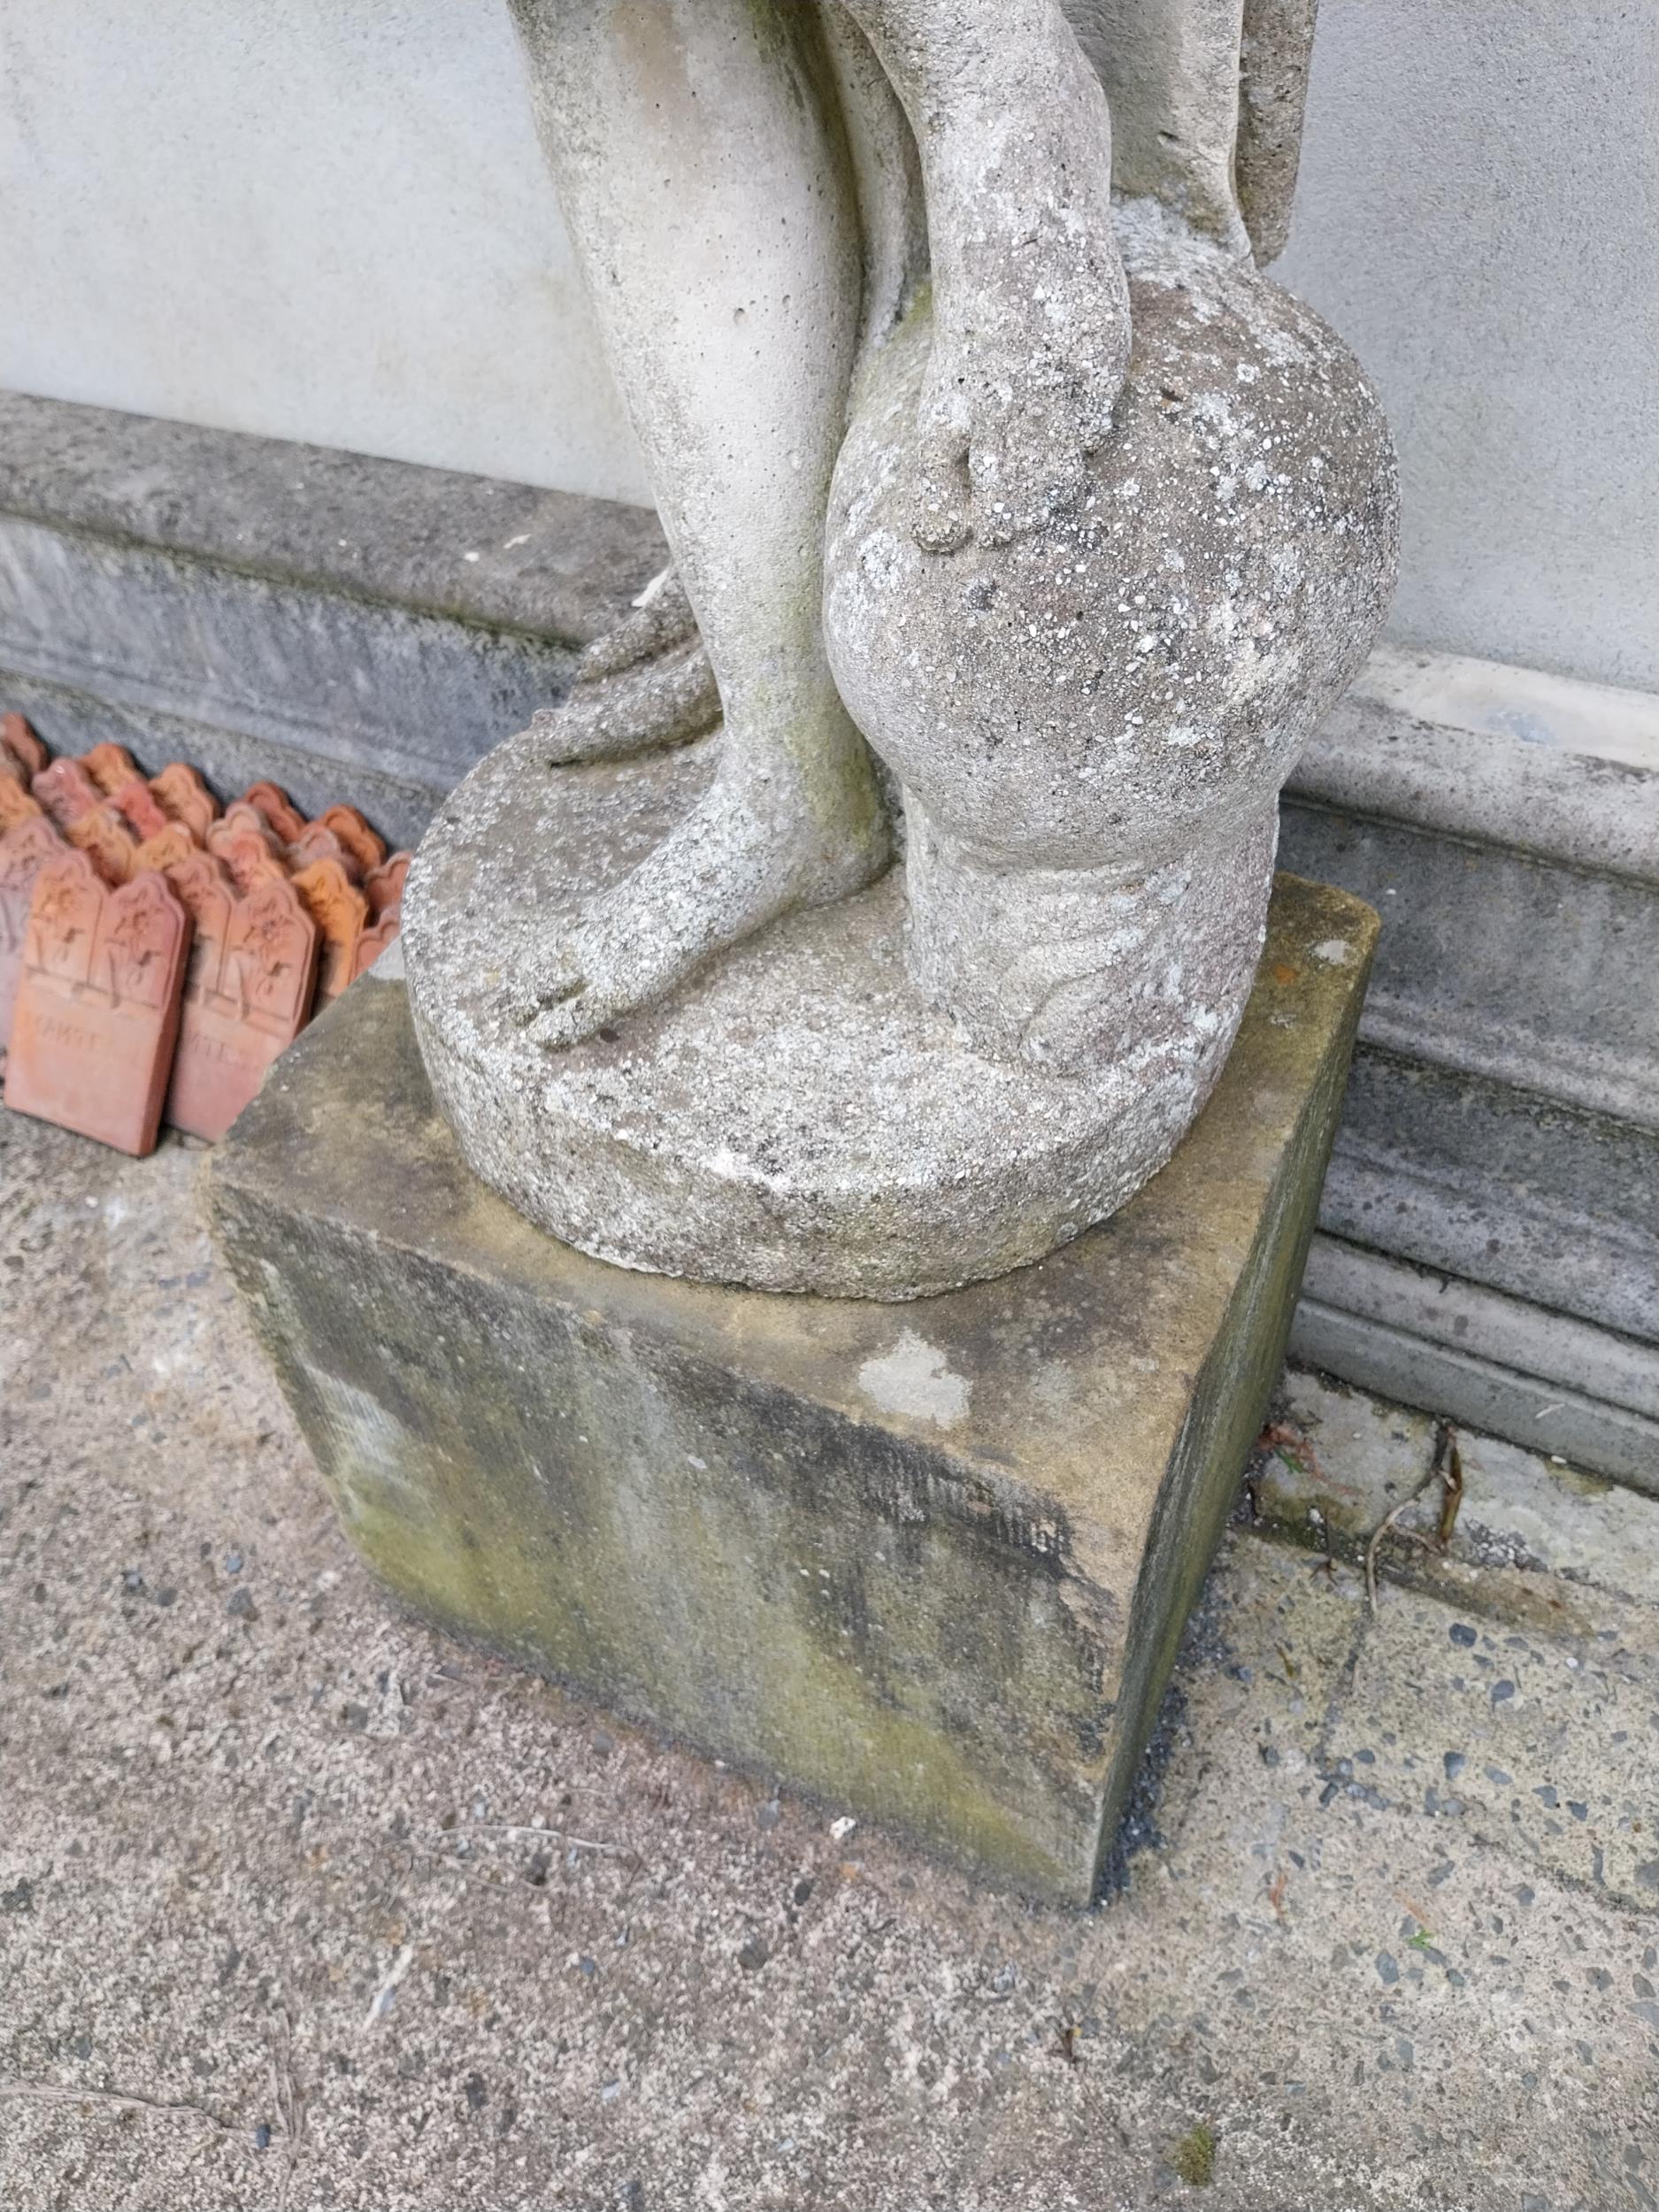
667, 700
660, 620
941, 506
1032, 467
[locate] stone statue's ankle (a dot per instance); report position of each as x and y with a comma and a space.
1099, 965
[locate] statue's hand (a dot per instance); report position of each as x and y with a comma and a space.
1030, 336
643, 685
1008, 414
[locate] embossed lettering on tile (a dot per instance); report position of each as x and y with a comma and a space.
340, 912
25, 850
97, 1006
183, 796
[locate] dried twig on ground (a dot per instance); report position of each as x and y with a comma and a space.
549, 1835
58, 2092
1448, 1465
1447, 1468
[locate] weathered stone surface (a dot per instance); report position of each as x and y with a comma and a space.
1090, 722
265, 610
506, 555
933, 1564
226, 1763
1509, 1364
796, 1118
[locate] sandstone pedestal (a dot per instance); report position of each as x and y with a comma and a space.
930, 1561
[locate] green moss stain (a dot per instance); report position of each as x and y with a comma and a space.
553, 1501
1194, 2157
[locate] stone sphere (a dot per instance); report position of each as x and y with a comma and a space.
1145, 666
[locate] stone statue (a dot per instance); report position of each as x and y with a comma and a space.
1023, 532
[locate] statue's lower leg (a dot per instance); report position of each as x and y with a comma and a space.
791, 818
721, 245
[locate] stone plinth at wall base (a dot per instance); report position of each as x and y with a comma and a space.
263, 608
1490, 1225
930, 1562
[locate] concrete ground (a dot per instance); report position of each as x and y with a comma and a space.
303, 1905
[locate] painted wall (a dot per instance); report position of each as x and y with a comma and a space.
327, 220
1477, 213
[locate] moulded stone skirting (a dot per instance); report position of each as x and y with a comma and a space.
1500, 1137
1487, 1361
268, 609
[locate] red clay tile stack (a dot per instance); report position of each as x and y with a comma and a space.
156, 953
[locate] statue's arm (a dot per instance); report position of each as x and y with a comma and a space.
1030, 308
951, 56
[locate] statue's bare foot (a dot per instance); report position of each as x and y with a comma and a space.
735, 863
644, 685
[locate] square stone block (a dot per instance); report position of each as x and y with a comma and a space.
929, 1562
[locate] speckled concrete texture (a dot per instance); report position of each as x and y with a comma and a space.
274, 1930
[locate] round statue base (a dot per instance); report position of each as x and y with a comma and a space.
796, 1117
